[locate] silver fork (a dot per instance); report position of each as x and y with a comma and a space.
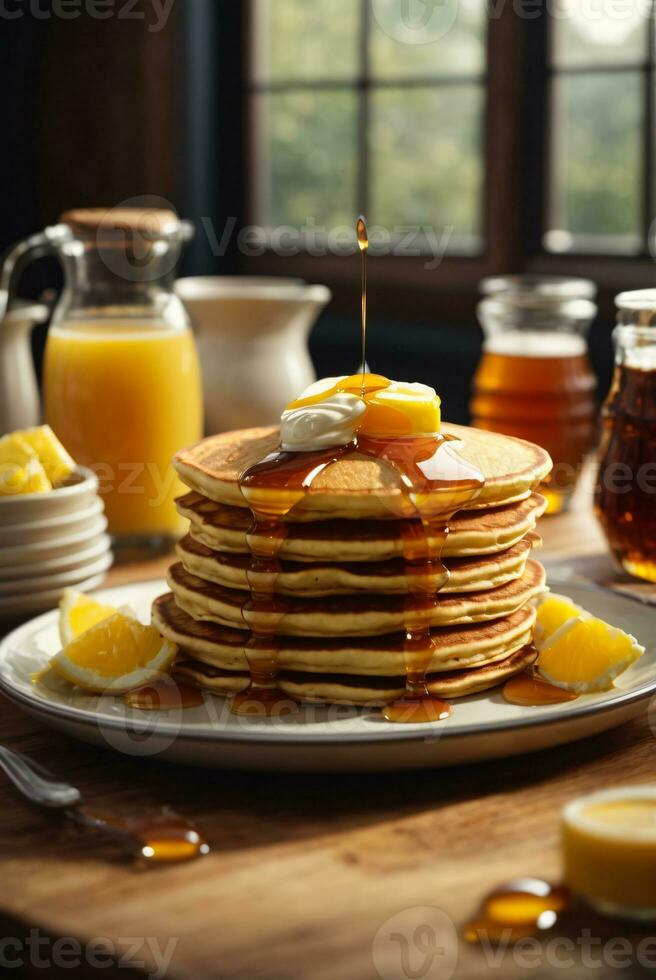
165, 839
36, 783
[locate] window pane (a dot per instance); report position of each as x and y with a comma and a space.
585, 33
298, 39
426, 159
596, 162
411, 38
305, 162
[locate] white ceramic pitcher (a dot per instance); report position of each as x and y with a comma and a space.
252, 337
20, 407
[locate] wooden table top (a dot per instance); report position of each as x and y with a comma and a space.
309, 877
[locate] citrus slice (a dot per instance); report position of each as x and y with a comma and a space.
116, 655
553, 612
20, 469
43, 442
78, 613
586, 655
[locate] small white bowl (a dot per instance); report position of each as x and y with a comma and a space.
78, 493
50, 542
81, 524
13, 608
36, 562
20, 587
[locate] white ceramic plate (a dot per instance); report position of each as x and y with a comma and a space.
328, 738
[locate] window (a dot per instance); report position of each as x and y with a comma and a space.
374, 106
523, 137
601, 78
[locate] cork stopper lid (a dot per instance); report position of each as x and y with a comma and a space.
149, 222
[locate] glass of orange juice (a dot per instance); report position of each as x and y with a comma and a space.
122, 381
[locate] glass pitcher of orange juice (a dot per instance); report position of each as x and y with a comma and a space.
122, 385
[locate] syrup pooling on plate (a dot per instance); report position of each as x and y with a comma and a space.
529, 690
164, 694
370, 416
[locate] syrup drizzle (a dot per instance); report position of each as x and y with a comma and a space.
363, 245
435, 480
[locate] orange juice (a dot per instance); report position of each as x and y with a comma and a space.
123, 396
609, 850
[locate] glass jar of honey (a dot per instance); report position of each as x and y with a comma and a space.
625, 494
534, 380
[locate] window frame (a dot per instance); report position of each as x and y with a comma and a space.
647, 68
500, 218
516, 124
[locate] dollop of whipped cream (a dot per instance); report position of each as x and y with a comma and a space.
333, 421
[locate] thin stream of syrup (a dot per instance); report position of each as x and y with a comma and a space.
437, 483
363, 245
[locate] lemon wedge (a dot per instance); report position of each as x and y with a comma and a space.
553, 611
20, 468
116, 655
585, 654
78, 613
44, 444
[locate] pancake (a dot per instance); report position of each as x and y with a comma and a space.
454, 647
360, 615
224, 528
315, 579
360, 486
360, 691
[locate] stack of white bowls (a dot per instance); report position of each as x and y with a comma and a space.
50, 542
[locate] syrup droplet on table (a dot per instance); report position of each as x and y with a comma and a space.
522, 908
166, 838
164, 694
528, 689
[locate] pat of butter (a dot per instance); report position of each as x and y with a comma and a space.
402, 409
374, 406
609, 849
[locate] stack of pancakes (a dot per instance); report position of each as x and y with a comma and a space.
343, 583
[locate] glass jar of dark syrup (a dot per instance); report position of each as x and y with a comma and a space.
625, 494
